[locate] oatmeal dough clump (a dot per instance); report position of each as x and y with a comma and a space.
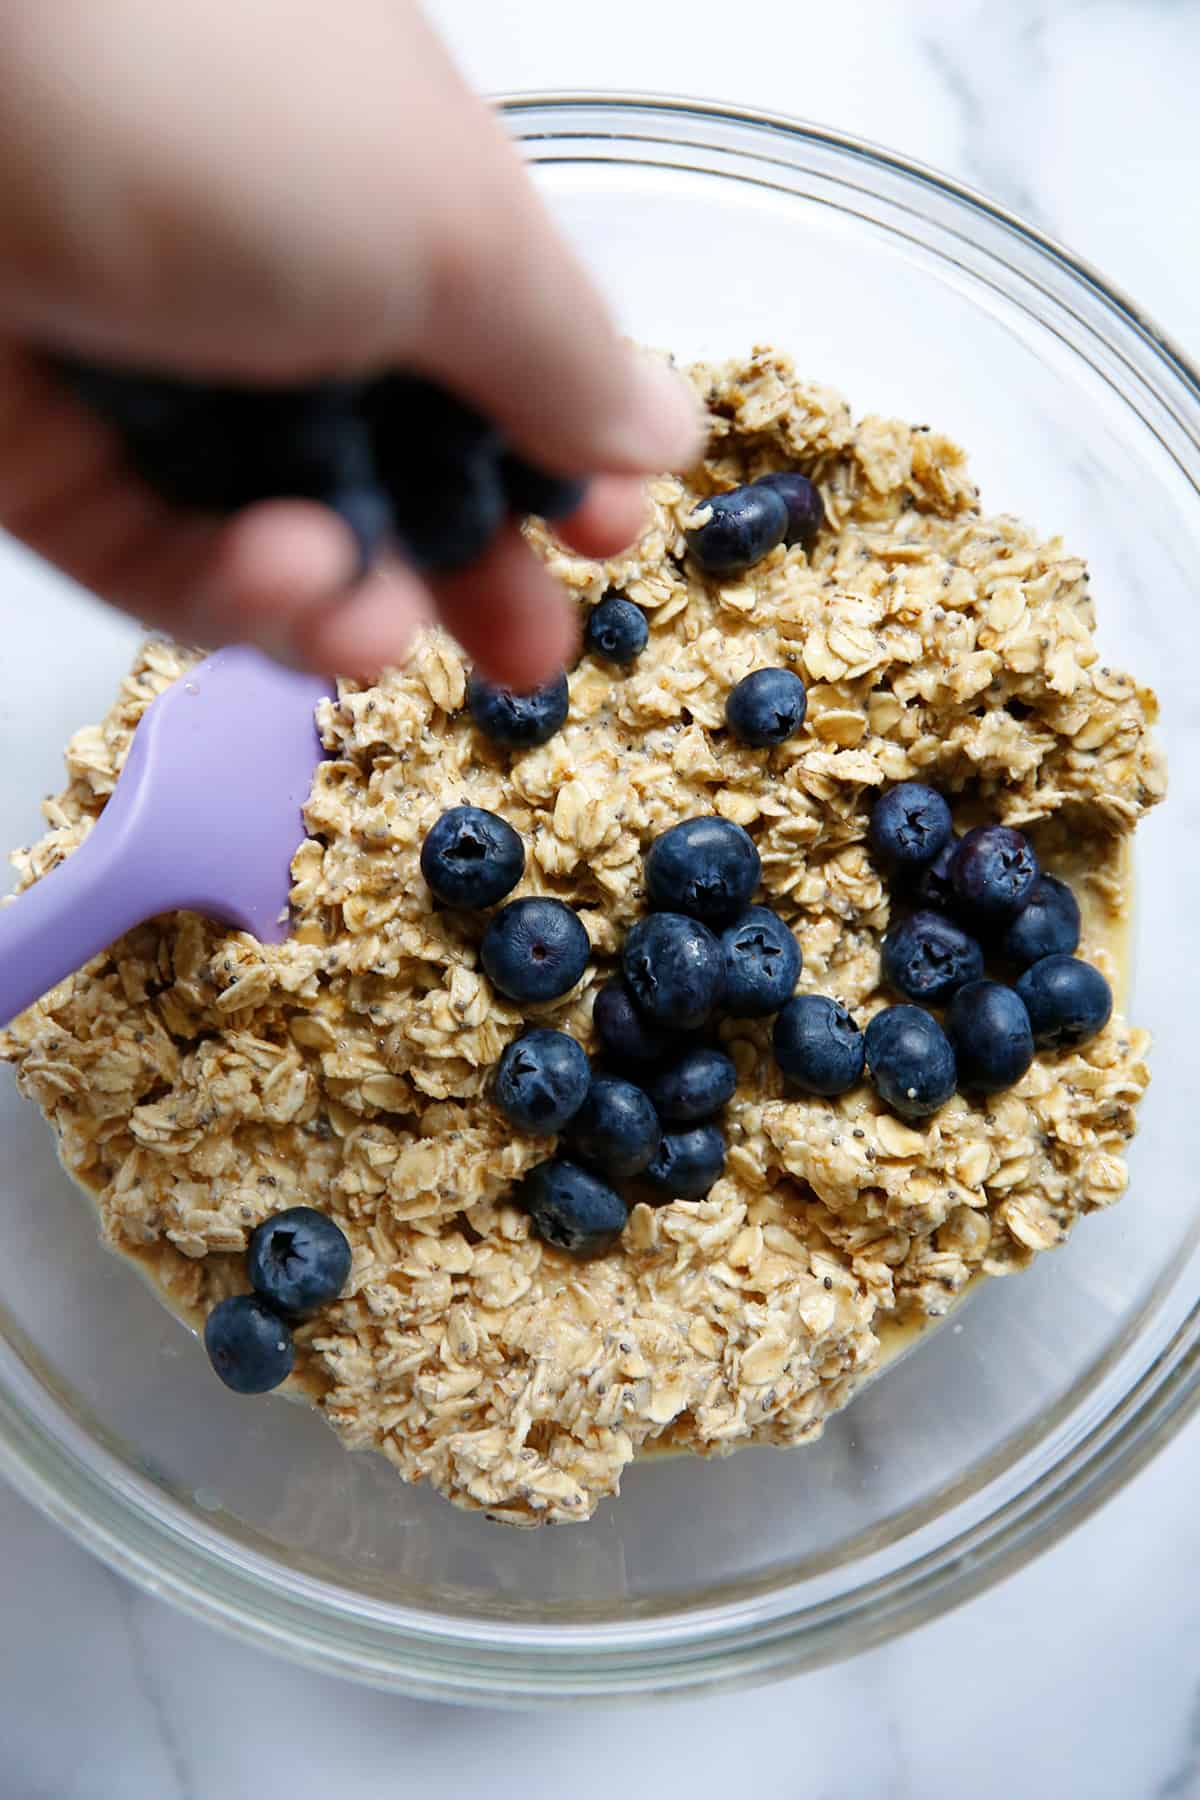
198, 1081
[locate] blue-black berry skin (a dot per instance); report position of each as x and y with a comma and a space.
909, 824
818, 1046
706, 867
931, 887
1047, 925
248, 1344
993, 1044
927, 958
766, 707
298, 1261
762, 964
625, 1033
572, 1209
542, 1080
745, 526
910, 1061
518, 721
616, 630
471, 857
687, 1162
695, 1086
616, 1130
1068, 1002
993, 874
805, 508
439, 462
534, 949
531, 490
674, 969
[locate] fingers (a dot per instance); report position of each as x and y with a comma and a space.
612, 517
509, 615
515, 324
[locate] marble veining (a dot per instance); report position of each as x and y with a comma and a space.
1079, 1677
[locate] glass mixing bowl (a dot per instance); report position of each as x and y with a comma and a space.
712, 230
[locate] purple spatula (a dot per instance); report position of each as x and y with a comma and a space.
206, 815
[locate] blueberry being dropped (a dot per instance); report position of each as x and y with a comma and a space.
674, 969
909, 825
623, 1030
706, 867
616, 630
542, 1080
518, 720
471, 857
616, 1129
298, 1261
534, 949
910, 1060
745, 525
818, 1046
531, 490
572, 1209
989, 1027
927, 957
802, 497
695, 1086
762, 964
993, 873
687, 1162
766, 707
1068, 1001
1047, 925
248, 1344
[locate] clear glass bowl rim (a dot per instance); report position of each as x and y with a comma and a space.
78, 1483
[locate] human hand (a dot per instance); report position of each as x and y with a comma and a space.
261, 190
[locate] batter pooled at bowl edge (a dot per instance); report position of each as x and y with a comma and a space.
199, 1082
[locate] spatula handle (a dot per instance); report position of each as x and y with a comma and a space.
102, 889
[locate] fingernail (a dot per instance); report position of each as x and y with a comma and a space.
666, 427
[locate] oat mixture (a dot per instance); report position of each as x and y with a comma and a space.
198, 1081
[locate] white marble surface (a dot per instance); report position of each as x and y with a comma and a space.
1079, 1677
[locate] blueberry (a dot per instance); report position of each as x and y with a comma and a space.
535, 949
542, 1080
706, 867
1068, 1001
762, 964
766, 707
989, 1027
1047, 925
248, 1344
448, 513
818, 1046
616, 1128
932, 886
687, 1162
518, 720
531, 490
572, 1209
622, 1030
744, 526
674, 968
616, 630
909, 825
695, 1086
802, 497
298, 1261
993, 873
910, 1060
927, 957
471, 857
219, 446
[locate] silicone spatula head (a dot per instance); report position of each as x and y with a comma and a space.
219, 770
